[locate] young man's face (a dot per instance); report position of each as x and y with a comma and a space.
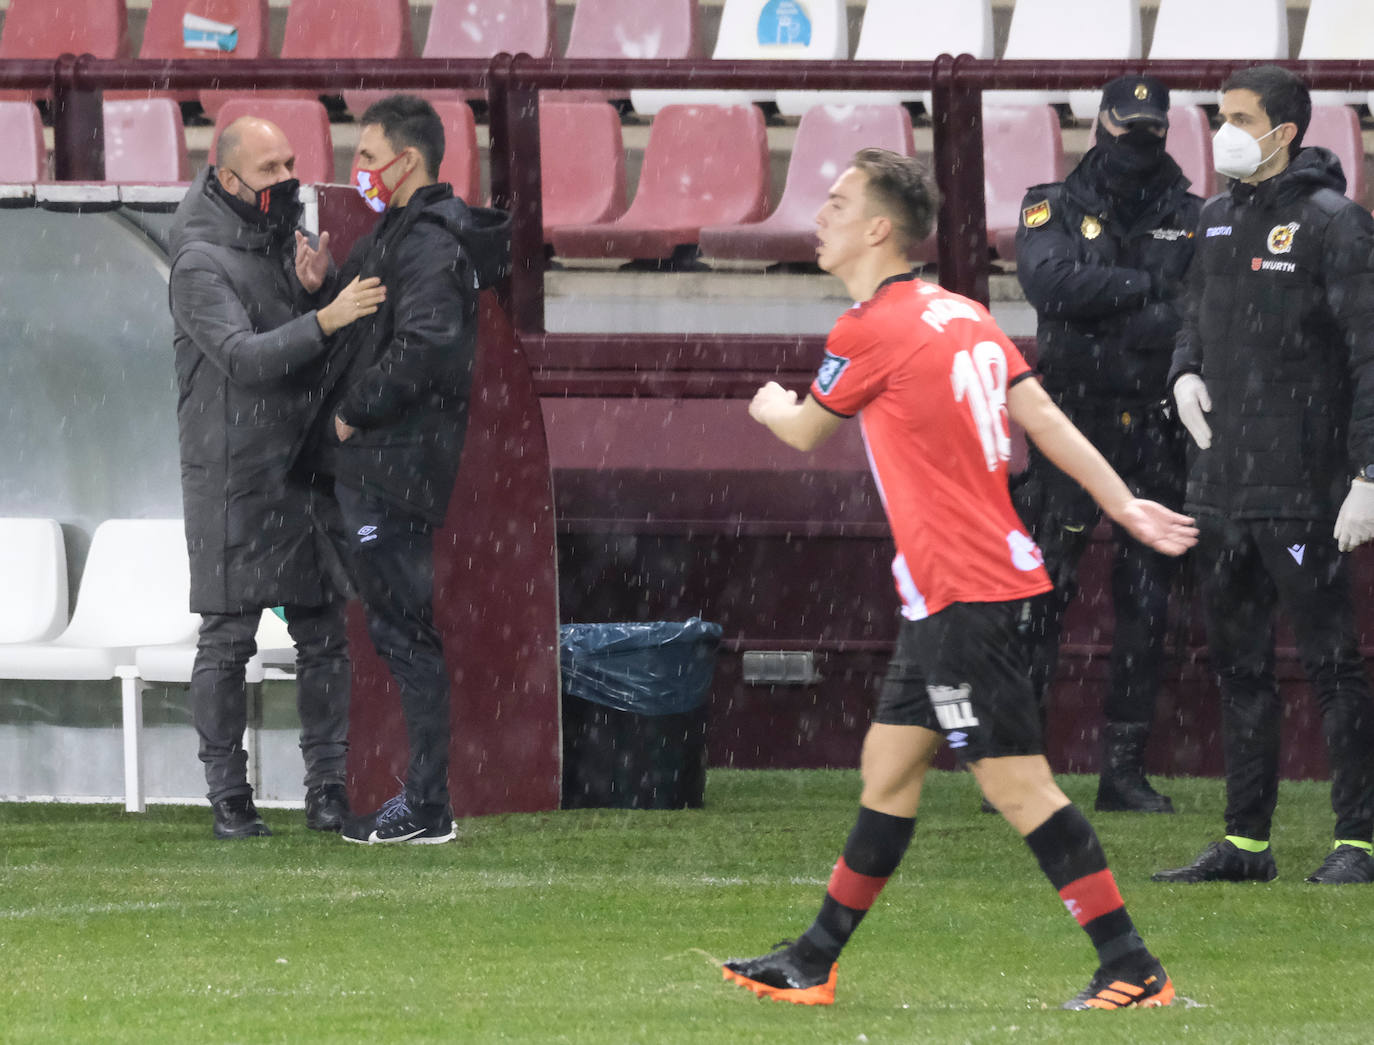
842, 226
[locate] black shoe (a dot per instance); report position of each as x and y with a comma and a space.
237, 817
1147, 988
1223, 862
1122, 787
398, 821
326, 807
1344, 865
781, 975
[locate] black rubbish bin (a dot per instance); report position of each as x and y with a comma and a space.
634, 713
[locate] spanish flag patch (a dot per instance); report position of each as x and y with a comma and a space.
1036, 215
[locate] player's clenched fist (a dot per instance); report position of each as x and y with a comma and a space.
768, 400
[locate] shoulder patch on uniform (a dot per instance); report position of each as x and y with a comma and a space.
831, 369
1036, 214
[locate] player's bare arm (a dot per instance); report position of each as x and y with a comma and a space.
1148, 521
802, 426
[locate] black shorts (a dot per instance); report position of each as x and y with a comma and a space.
964, 672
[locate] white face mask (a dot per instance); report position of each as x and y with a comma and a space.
1235, 154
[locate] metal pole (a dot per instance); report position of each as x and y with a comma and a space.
78, 123
526, 202
958, 127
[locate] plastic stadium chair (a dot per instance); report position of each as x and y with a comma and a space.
24, 157
483, 28
582, 164
1021, 147
1190, 144
134, 592
1336, 127
630, 29
906, 30
827, 138
1254, 29
763, 29
145, 142
703, 165
1338, 29
1068, 29
462, 164
33, 562
305, 123
48, 28
348, 29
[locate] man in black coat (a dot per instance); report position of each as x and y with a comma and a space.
1274, 379
1101, 256
393, 430
249, 345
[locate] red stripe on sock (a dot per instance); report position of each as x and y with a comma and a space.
853, 889
1092, 896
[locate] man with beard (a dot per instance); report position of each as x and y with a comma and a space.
1101, 256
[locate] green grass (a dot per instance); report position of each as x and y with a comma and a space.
605, 926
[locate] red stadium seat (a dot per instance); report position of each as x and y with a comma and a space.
1336, 127
582, 164
162, 38
348, 29
1190, 144
24, 158
305, 123
827, 138
1021, 147
483, 28
630, 29
703, 165
48, 28
145, 141
461, 167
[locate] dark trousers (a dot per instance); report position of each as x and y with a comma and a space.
1246, 569
1144, 446
219, 700
391, 561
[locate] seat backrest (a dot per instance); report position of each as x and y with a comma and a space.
1190, 144
33, 563
1336, 127
702, 160
770, 29
924, 29
1221, 29
461, 167
136, 588
304, 121
1021, 147
145, 141
347, 29
582, 161
1074, 29
1338, 29
24, 157
482, 28
633, 29
827, 139
162, 35
48, 28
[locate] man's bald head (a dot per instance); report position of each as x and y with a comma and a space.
253, 153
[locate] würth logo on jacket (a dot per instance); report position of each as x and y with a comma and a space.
1270, 265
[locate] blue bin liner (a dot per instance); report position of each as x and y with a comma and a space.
655, 668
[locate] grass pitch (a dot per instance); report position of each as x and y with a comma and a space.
605, 926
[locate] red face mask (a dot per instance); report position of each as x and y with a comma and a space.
371, 187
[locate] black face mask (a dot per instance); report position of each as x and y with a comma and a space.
277, 207
1133, 156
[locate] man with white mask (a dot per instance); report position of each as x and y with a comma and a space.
1274, 379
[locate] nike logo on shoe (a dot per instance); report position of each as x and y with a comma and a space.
1297, 551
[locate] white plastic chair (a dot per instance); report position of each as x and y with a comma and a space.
33, 580
1254, 29
1339, 29
906, 30
1069, 29
134, 592
752, 29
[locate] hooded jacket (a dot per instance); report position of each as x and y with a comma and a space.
407, 369
1280, 325
247, 352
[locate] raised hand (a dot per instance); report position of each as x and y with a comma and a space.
312, 264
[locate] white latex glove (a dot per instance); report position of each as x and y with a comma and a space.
1190, 393
1355, 523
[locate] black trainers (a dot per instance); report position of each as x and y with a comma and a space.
398, 821
782, 976
1223, 862
326, 807
1344, 865
1148, 988
237, 817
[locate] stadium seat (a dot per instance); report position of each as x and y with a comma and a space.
629, 29
1338, 29
582, 164
145, 141
763, 30
33, 562
305, 123
483, 28
1069, 29
1190, 144
1254, 29
1336, 127
134, 592
24, 157
1021, 147
347, 29
703, 165
462, 166
906, 30
48, 28
827, 138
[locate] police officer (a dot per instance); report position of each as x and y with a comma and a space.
1274, 379
1101, 256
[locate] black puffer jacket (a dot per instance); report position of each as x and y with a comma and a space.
407, 370
1107, 293
1280, 324
247, 351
